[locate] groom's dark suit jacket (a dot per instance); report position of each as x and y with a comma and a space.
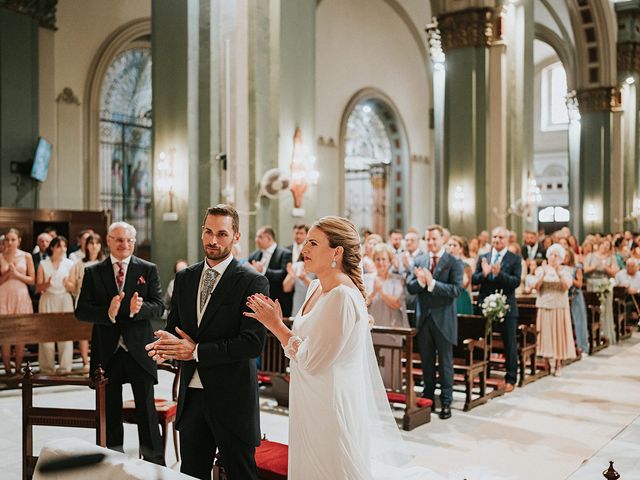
228, 344
98, 288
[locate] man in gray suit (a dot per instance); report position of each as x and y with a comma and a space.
437, 280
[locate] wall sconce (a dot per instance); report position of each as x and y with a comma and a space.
166, 182
634, 215
303, 173
459, 199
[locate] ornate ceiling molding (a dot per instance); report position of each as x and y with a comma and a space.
600, 99
628, 58
474, 27
43, 11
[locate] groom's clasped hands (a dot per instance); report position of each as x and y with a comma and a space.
170, 347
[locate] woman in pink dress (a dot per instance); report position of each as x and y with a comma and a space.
16, 272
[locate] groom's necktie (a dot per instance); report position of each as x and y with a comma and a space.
208, 282
434, 264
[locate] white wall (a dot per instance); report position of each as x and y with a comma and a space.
366, 44
82, 27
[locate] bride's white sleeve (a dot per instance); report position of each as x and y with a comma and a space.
320, 348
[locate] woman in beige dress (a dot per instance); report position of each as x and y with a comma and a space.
16, 272
555, 338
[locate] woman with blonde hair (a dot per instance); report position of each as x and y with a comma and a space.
340, 422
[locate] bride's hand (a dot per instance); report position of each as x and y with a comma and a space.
265, 310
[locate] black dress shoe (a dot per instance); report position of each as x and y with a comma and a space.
445, 412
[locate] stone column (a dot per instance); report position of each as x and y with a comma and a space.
628, 64
466, 37
599, 159
518, 19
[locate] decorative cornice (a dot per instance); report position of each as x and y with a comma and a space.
434, 39
467, 28
67, 96
420, 159
43, 11
628, 58
601, 99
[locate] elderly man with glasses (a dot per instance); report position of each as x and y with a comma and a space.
120, 296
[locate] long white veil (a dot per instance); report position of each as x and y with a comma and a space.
389, 454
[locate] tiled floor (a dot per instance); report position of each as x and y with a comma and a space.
565, 427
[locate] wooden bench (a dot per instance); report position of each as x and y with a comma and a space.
471, 358
417, 410
592, 301
41, 328
52, 327
528, 345
620, 313
59, 417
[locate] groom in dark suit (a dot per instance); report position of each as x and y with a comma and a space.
218, 401
437, 281
500, 270
121, 296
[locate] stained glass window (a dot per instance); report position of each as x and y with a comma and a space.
125, 140
368, 156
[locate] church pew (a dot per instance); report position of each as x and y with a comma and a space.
59, 417
42, 327
471, 357
417, 410
620, 313
528, 345
593, 322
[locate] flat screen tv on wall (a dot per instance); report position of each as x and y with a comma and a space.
41, 159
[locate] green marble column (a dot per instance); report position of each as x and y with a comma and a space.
628, 63
597, 111
185, 127
466, 36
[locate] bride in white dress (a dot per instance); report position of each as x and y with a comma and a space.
340, 422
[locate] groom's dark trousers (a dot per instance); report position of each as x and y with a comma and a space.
223, 414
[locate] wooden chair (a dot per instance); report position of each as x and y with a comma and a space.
166, 409
593, 322
59, 417
272, 462
471, 358
273, 373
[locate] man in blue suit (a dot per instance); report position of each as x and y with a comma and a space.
499, 270
437, 281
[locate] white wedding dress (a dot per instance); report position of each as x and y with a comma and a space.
340, 422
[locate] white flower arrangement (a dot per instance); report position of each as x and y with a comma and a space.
495, 307
605, 289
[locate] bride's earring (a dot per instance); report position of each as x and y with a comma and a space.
334, 264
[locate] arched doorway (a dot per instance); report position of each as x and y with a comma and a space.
375, 165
